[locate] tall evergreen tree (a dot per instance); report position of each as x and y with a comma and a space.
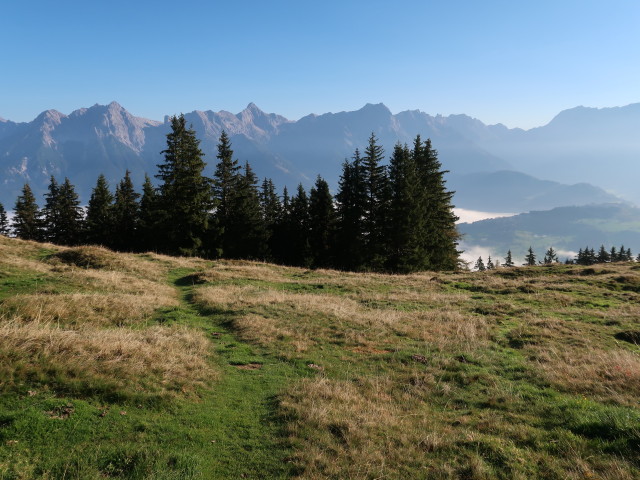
603, 255
126, 214
530, 258
550, 256
148, 231
508, 260
479, 265
406, 223
351, 199
271, 212
70, 222
441, 236
376, 205
322, 220
226, 184
27, 223
4, 221
51, 211
490, 265
185, 193
99, 220
300, 228
245, 234
281, 240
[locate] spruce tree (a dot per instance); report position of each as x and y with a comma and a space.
271, 213
490, 265
550, 256
603, 255
479, 266
406, 223
148, 231
530, 259
440, 238
508, 261
300, 228
51, 211
70, 227
281, 240
99, 221
376, 205
350, 199
322, 219
226, 184
245, 233
184, 193
4, 222
126, 214
27, 222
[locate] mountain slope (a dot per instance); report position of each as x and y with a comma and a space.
598, 146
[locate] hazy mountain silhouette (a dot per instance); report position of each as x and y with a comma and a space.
108, 139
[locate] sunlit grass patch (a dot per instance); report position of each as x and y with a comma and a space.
82, 309
121, 362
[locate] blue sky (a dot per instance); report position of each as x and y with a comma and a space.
515, 62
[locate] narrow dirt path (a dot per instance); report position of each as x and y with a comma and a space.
244, 436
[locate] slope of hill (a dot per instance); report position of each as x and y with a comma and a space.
145, 366
565, 228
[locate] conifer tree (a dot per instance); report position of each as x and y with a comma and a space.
508, 261
99, 221
4, 221
441, 236
184, 193
490, 265
350, 199
322, 219
27, 223
376, 205
51, 211
126, 214
281, 240
300, 227
530, 259
245, 234
70, 222
550, 256
406, 224
271, 213
479, 266
603, 255
613, 254
148, 231
226, 182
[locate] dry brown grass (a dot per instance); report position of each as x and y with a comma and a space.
156, 359
609, 375
274, 315
115, 309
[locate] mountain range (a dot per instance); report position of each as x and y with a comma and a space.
492, 167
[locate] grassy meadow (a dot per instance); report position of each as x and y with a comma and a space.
147, 366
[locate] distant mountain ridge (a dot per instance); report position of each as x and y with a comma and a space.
108, 139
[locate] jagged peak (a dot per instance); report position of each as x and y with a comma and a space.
376, 107
50, 116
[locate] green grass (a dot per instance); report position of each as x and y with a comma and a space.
317, 374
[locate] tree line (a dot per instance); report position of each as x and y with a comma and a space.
392, 218
585, 256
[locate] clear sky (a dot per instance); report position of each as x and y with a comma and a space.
514, 62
